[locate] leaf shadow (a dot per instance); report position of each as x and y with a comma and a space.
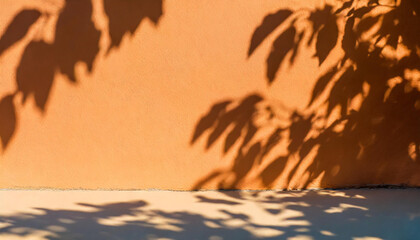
361, 125
76, 40
310, 214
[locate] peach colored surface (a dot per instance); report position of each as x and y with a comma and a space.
128, 123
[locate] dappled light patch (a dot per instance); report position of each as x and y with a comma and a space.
347, 214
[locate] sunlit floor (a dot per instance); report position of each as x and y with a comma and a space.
214, 215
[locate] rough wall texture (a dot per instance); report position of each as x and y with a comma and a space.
209, 94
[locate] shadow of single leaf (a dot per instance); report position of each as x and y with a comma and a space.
269, 23
126, 15
359, 13
35, 73
7, 120
18, 28
326, 40
367, 23
76, 37
348, 44
321, 84
281, 46
296, 48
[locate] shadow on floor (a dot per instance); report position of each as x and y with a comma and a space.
351, 214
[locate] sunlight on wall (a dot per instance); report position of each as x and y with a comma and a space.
183, 95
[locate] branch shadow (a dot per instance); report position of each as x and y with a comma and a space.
362, 118
76, 40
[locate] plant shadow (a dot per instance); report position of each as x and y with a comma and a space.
384, 214
76, 40
361, 125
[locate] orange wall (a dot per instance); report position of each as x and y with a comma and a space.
128, 123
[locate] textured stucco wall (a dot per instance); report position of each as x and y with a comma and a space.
128, 123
